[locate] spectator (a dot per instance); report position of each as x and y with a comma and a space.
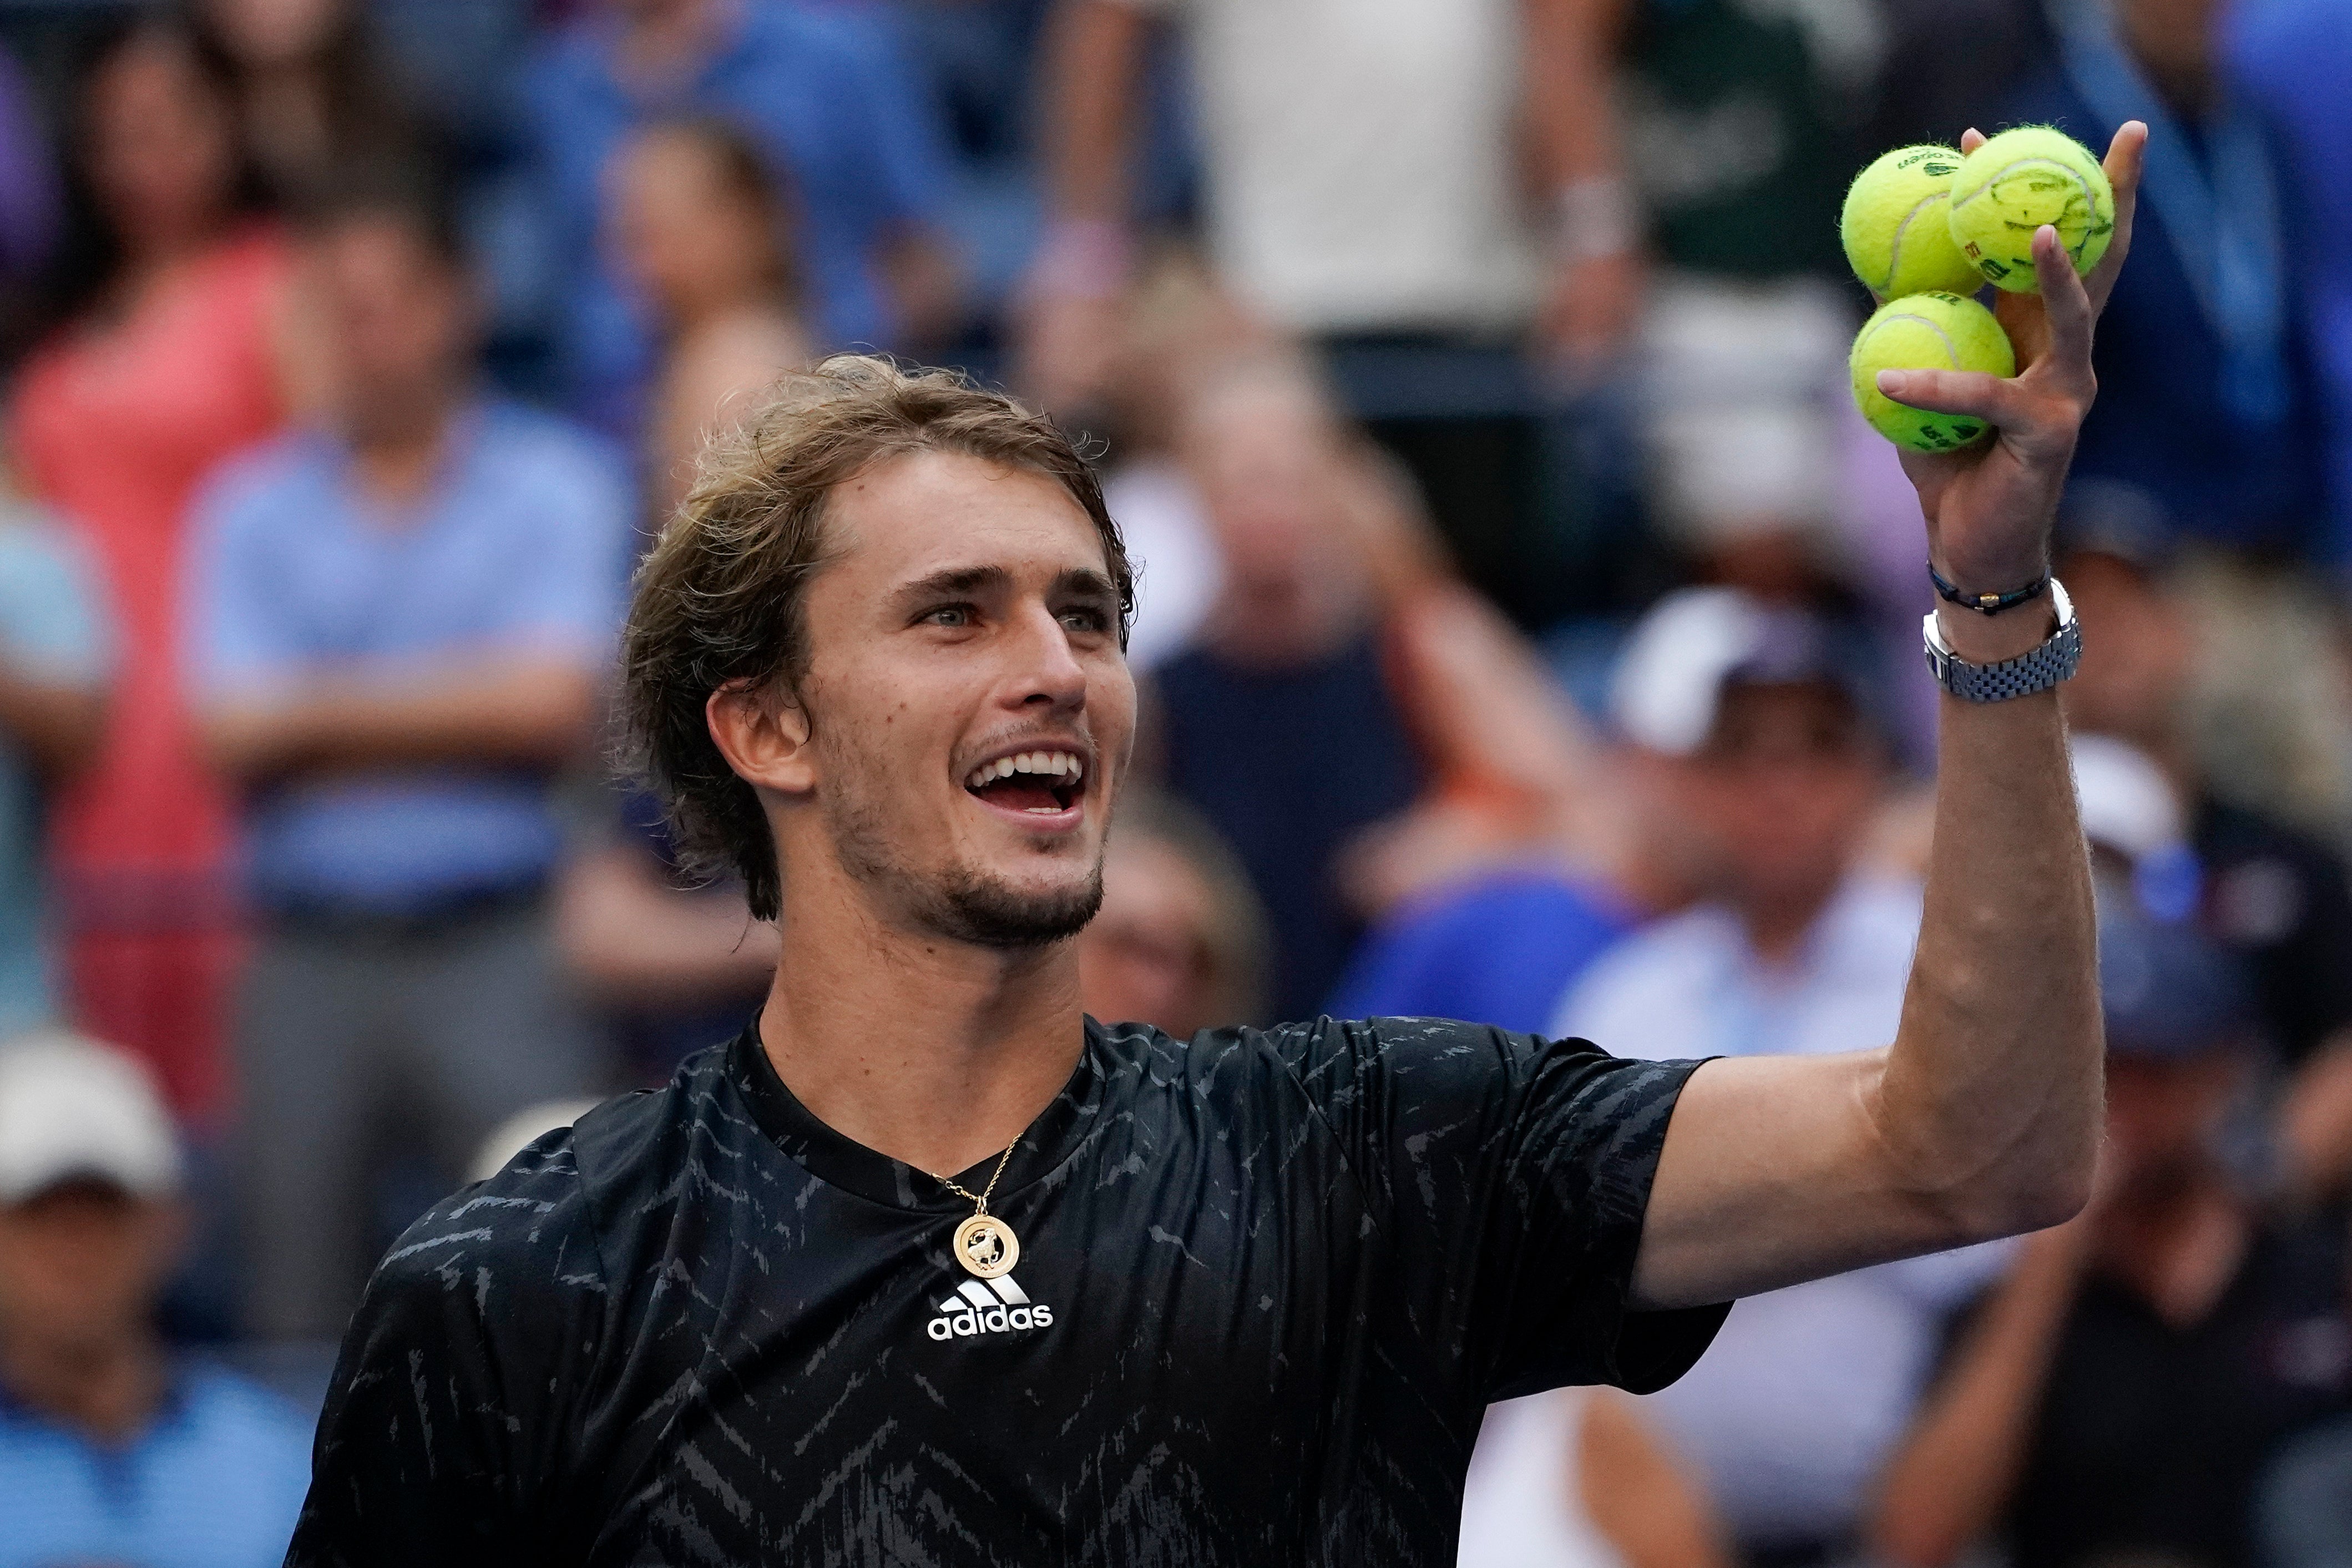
1180, 939
1575, 1479
313, 96
1761, 740
702, 232
2205, 412
828, 98
2115, 1400
55, 654
674, 968
1363, 193
2290, 58
2276, 896
112, 1449
168, 365
401, 619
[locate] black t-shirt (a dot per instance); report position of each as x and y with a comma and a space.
2150, 1438
1268, 1282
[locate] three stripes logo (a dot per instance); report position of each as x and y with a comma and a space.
988, 1307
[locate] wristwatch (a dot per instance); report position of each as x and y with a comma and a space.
2036, 669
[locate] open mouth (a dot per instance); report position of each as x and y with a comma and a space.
1046, 782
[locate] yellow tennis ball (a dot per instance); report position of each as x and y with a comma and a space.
1897, 235
2016, 183
1926, 332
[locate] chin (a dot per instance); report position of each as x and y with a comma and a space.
1000, 912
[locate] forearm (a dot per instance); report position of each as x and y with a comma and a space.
634, 940
1094, 49
501, 717
1570, 108
1990, 1098
1950, 1481
60, 728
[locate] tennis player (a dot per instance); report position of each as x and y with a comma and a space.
928, 1267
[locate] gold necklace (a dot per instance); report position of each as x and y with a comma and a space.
984, 1244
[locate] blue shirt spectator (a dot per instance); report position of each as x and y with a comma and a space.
2291, 59
1498, 948
521, 547
826, 90
216, 1481
2205, 412
52, 634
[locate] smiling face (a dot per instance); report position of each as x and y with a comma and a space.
965, 712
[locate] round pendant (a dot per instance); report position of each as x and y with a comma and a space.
986, 1246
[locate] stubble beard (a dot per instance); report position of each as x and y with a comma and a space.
961, 904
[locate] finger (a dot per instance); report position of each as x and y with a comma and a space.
2065, 357
1972, 139
1968, 392
2126, 155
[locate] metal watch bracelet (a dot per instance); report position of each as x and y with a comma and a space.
2037, 669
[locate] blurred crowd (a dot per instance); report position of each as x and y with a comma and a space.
1527, 624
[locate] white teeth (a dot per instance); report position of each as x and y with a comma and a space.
1051, 764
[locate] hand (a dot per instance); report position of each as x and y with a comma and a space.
1588, 309
1990, 509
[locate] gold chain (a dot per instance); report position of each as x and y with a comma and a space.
981, 1198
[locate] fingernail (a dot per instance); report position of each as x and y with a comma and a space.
1891, 382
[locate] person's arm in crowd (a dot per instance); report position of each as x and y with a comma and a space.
1641, 1499
1589, 220
514, 710
58, 724
634, 938
1949, 1482
2315, 1120
1094, 55
1982, 1118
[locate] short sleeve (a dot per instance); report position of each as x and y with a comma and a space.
448, 1423
1516, 1172
53, 624
902, 132
239, 634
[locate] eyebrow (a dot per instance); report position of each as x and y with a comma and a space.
1079, 581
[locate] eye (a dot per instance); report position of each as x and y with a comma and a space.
1086, 620
947, 615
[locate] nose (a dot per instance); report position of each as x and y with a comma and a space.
1047, 674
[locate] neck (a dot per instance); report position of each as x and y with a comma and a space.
398, 457
1777, 925
936, 1053
665, 43
106, 1386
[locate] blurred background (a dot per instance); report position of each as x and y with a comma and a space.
1528, 625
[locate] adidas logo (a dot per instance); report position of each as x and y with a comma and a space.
988, 1307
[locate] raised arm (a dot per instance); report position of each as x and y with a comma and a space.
1094, 53
1982, 1118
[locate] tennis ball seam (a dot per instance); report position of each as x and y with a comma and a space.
1952, 349
2090, 196
1894, 248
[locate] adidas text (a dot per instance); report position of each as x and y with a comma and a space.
994, 1307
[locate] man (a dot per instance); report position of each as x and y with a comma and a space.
401, 619
2277, 897
2117, 1400
1747, 727
823, 90
112, 1450
1364, 188
928, 1265
2214, 425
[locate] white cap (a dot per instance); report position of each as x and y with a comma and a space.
521, 1130
70, 1107
1671, 676
2127, 803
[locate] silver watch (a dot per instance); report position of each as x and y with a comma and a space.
2037, 669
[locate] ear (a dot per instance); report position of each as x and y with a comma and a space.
763, 732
